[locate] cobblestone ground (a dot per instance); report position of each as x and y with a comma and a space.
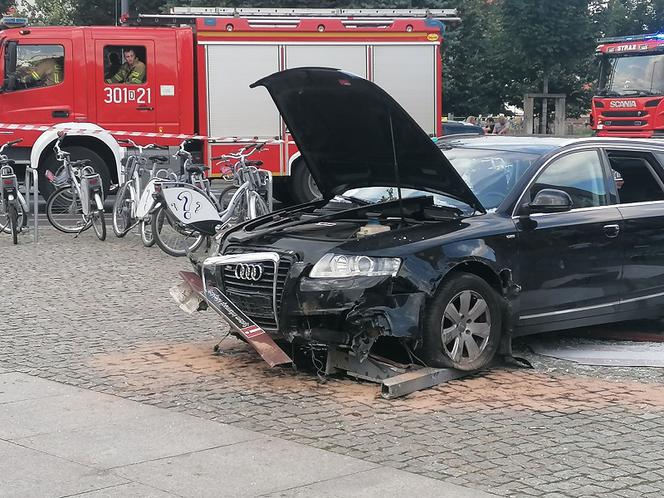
99, 316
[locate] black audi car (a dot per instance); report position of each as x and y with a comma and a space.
450, 248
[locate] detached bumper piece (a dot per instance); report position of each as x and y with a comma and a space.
396, 379
235, 317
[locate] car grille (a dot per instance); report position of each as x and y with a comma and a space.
256, 298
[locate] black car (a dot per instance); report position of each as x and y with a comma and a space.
450, 249
460, 127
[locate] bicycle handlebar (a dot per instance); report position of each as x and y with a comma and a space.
140, 148
9, 144
241, 154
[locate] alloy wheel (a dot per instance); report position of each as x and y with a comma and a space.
465, 327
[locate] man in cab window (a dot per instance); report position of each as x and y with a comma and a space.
45, 72
132, 72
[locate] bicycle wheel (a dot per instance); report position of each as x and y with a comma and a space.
12, 213
4, 217
257, 206
226, 195
64, 211
241, 211
99, 223
146, 233
173, 237
21, 220
122, 210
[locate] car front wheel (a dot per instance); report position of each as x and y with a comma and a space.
463, 324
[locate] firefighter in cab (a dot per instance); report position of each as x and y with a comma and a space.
131, 72
45, 72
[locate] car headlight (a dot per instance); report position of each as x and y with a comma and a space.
346, 265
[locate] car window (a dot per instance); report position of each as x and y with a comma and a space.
637, 179
490, 174
579, 174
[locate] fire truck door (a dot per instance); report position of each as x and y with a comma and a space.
44, 88
125, 77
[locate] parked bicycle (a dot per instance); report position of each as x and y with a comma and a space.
77, 203
13, 207
250, 196
172, 236
188, 212
133, 201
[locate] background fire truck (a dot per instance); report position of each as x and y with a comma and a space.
629, 101
199, 65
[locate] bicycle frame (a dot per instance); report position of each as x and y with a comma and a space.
10, 191
146, 203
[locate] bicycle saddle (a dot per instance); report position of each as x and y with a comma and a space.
158, 159
197, 168
254, 163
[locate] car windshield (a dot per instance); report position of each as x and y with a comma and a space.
632, 76
490, 174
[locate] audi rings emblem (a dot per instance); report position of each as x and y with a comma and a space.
248, 271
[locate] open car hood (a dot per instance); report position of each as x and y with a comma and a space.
351, 133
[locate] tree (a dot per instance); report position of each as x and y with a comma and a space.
472, 73
49, 12
628, 17
107, 12
546, 42
5, 6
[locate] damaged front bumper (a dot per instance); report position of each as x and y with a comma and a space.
352, 312
275, 293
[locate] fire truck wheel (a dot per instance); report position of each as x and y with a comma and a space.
77, 152
302, 185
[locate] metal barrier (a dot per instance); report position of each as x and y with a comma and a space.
30, 183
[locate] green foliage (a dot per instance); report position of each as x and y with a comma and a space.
472, 73
49, 12
105, 12
6, 5
628, 17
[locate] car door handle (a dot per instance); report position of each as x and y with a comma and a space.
611, 231
145, 108
60, 114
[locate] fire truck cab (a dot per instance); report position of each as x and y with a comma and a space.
629, 101
192, 78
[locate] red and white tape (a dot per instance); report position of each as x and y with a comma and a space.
179, 136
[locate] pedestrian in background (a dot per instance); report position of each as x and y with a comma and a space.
502, 126
488, 127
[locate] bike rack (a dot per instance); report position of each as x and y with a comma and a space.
30, 183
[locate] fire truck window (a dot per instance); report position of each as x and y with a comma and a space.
39, 65
125, 65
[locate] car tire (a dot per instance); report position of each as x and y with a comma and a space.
77, 152
302, 185
463, 324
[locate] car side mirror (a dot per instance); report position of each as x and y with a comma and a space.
550, 200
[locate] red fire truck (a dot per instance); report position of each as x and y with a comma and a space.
630, 98
198, 65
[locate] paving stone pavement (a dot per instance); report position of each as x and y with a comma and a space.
99, 316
